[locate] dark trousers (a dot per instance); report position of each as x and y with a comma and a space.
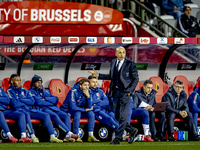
161, 117
121, 103
189, 120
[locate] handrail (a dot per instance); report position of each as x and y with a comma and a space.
134, 26
142, 16
7, 58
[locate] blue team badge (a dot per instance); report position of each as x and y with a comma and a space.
80, 132
100, 117
103, 133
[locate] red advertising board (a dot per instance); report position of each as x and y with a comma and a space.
44, 12
57, 51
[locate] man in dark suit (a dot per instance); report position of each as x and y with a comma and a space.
124, 78
178, 108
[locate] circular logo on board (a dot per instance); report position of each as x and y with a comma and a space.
98, 16
3, 134
107, 16
80, 132
103, 133
198, 130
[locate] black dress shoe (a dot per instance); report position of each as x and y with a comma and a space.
196, 138
156, 139
132, 136
115, 142
171, 138
162, 138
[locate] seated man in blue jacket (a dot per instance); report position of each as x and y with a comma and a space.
46, 102
5, 112
22, 100
194, 105
100, 103
147, 94
178, 108
78, 103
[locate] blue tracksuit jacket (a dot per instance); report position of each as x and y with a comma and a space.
99, 99
4, 100
76, 100
21, 98
50, 101
169, 4
194, 101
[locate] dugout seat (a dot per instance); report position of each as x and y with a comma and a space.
188, 87
78, 79
27, 84
59, 89
106, 86
5, 84
139, 85
198, 82
160, 87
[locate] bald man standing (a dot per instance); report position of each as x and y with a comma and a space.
124, 78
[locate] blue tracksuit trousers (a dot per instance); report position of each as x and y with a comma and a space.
108, 118
138, 112
77, 115
55, 117
40, 116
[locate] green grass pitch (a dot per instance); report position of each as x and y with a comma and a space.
103, 146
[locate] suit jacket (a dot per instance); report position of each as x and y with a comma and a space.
128, 76
170, 98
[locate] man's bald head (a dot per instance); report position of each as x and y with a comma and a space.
120, 53
120, 47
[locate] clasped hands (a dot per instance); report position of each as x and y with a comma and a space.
183, 113
149, 108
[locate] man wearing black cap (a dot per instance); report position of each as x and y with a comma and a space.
47, 102
22, 101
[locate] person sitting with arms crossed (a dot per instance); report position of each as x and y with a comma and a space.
5, 112
46, 102
22, 100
